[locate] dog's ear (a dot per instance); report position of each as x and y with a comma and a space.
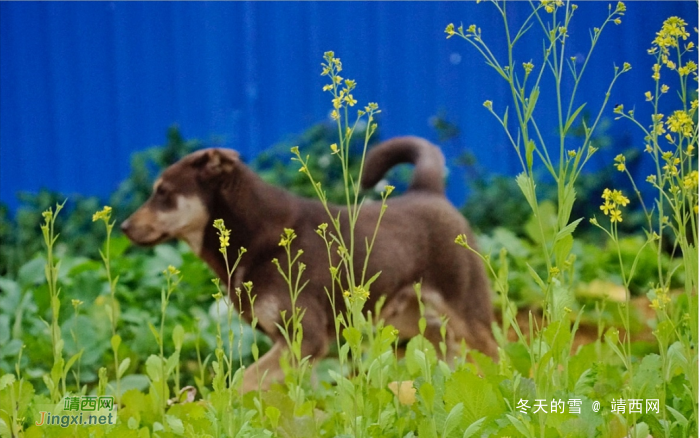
215, 162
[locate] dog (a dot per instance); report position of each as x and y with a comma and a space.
415, 243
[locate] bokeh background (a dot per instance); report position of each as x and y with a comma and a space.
85, 85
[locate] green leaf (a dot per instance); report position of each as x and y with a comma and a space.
680, 418
562, 249
522, 428
567, 230
178, 336
479, 397
454, 417
473, 428
566, 205
612, 339
154, 368
535, 276
154, 331
427, 428
571, 119
118, 245
531, 103
420, 355
32, 272
353, 337
427, 394
527, 186
6, 380
585, 382
70, 362
115, 342
676, 359
172, 362
562, 298
529, 150
273, 414
175, 424
640, 430
123, 367
372, 280
4, 429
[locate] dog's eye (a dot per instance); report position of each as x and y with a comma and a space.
161, 191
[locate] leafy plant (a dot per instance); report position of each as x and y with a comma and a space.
545, 383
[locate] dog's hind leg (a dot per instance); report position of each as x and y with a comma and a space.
403, 313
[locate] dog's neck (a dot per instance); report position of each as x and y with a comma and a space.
255, 212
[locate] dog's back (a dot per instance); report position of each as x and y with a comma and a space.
423, 221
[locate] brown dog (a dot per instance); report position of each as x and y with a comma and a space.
415, 243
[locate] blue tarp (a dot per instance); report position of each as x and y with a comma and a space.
83, 85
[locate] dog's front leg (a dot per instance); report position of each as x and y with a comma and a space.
266, 370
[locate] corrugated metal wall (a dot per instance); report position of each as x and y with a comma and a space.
83, 85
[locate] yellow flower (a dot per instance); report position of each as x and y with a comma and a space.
350, 100
223, 233
620, 162
691, 180
488, 104
615, 216
681, 123
613, 199
607, 207
671, 168
664, 88
648, 96
450, 30
103, 214
620, 199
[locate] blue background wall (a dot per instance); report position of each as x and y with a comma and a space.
83, 85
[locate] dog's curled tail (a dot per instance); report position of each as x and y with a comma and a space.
427, 158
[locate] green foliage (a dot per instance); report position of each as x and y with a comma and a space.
176, 369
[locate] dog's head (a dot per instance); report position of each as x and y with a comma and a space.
179, 205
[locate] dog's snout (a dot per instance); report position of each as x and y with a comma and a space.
125, 226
